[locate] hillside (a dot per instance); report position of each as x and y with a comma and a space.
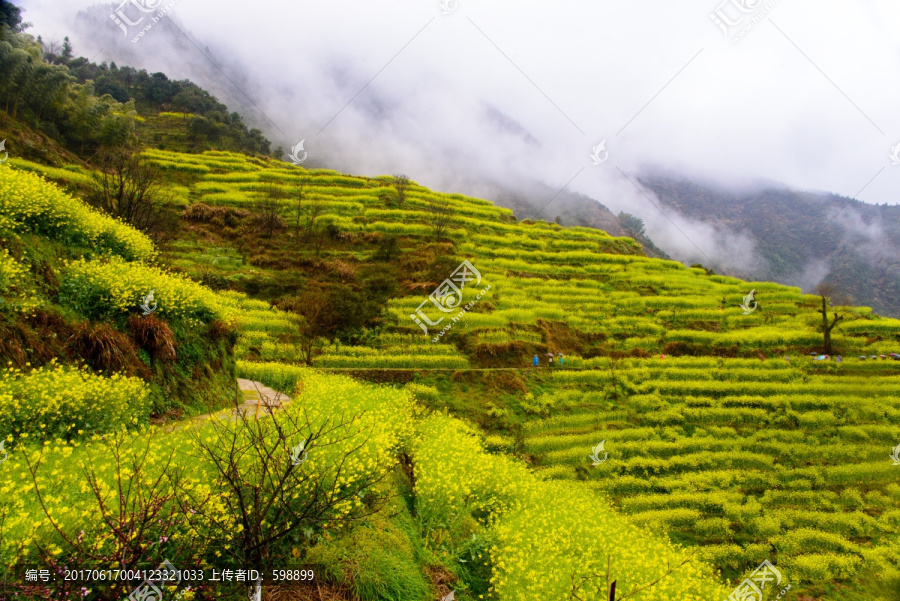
533, 199
363, 540
802, 238
723, 447
465, 403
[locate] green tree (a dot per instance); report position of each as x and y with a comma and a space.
401, 185
47, 90
632, 224
11, 16
18, 67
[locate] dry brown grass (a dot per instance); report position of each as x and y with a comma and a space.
34, 339
105, 349
314, 592
220, 216
154, 336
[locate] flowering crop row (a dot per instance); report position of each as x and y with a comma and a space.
115, 287
64, 402
30, 203
795, 466
548, 535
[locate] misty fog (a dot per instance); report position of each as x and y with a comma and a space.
464, 96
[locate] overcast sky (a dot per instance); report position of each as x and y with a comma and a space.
506, 89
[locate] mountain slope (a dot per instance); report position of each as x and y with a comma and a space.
724, 448
802, 238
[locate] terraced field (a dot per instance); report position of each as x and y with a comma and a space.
721, 433
585, 279
745, 458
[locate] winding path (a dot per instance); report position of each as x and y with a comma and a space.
261, 399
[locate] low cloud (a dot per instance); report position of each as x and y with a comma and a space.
502, 93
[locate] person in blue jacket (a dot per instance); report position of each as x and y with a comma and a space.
536, 361
561, 358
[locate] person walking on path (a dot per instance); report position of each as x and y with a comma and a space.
561, 358
550, 360
536, 361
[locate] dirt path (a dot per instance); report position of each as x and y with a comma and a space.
258, 400
258, 394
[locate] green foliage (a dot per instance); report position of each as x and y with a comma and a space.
634, 225
379, 559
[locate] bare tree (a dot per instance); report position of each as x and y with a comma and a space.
401, 184
129, 189
441, 217
307, 213
611, 586
267, 210
137, 506
317, 318
829, 295
271, 491
314, 210
301, 190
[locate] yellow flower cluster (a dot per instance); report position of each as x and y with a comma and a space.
11, 271
16, 292
30, 203
65, 402
115, 286
548, 535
